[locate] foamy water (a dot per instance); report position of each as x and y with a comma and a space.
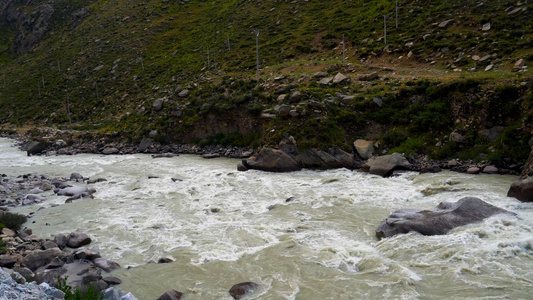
223, 227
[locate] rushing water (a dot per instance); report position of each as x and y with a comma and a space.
224, 227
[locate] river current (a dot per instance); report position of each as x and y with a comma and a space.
300, 235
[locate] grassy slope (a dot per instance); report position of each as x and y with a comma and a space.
296, 37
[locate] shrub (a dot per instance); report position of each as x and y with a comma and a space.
13, 221
90, 293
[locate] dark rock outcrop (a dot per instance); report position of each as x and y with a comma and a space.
36, 148
439, 220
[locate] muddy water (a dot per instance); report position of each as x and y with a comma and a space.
223, 227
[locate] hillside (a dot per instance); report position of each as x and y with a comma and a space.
166, 67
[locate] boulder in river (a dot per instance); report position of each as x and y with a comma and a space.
386, 164
171, 295
241, 289
439, 220
522, 190
78, 239
318, 159
272, 160
36, 148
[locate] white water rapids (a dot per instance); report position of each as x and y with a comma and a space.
223, 227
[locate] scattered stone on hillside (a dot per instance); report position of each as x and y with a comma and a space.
365, 149
152, 134
294, 113
457, 137
476, 57
171, 295
281, 98
158, 104
341, 79
491, 134
514, 11
288, 144
489, 67
486, 27
446, 23
100, 67
369, 76
283, 110
320, 74
519, 64
241, 289
378, 101
484, 58
410, 54
490, 170
183, 93
326, 81
295, 96
522, 190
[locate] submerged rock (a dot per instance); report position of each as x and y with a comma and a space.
171, 295
439, 220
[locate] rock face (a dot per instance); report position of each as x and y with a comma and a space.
241, 289
385, 165
522, 190
439, 220
272, 160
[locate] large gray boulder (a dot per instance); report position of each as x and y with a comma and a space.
318, 159
272, 160
439, 220
40, 258
386, 164
78, 239
522, 190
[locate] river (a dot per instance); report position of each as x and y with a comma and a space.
300, 235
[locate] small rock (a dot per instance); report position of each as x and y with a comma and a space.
171, 295
486, 27
473, 170
490, 170
489, 67
239, 290
78, 239
369, 76
446, 23
340, 79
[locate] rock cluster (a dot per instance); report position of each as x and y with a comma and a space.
33, 188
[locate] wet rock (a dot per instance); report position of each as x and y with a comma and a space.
49, 276
241, 289
111, 280
318, 159
76, 177
490, 170
171, 295
473, 170
106, 265
164, 260
439, 220
49, 245
365, 149
430, 169
9, 260
61, 240
165, 155
272, 160
93, 181
78, 239
76, 191
241, 167
36, 148
88, 254
40, 258
210, 155
386, 164
522, 190
116, 294
110, 151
